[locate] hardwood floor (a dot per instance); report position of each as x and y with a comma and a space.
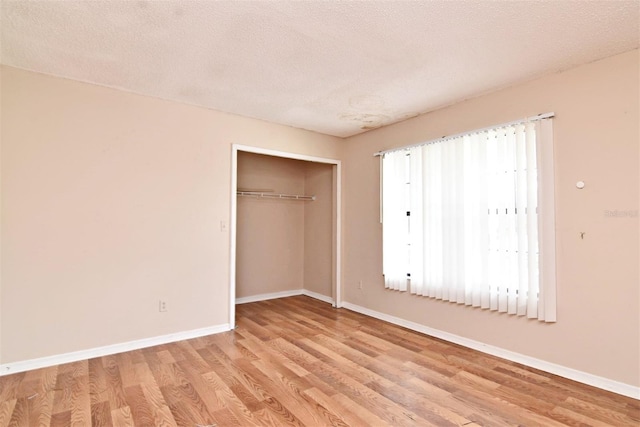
297, 361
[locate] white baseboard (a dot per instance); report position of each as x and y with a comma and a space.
318, 296
43, 362
284, 294
572, 374
264, 297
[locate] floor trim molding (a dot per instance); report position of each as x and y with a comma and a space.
284, 294
43, 362
272, 295
572, 374
318, 296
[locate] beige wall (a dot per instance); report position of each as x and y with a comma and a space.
270, 233
110, 202
284, 245
597, 141
318, 229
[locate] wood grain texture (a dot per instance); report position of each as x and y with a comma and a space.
299, 362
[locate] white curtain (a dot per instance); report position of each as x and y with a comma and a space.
395, 190
473, 233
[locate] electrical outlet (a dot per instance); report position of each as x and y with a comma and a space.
162, 306
360, 284
223, 226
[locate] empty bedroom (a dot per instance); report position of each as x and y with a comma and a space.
319, 213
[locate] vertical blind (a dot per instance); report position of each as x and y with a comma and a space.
462, 220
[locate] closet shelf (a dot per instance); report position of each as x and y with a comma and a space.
260, 194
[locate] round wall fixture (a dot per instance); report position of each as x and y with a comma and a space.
580, 185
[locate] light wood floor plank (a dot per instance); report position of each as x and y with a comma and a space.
80, 400
6, 409
122, 417
101, 415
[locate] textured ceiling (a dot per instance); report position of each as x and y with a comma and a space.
337, 68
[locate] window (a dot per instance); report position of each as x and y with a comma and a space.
469, 219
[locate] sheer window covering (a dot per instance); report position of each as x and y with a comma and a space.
480, 230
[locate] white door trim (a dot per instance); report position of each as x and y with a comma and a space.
232, 223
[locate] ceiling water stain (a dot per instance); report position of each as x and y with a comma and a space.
367, 111
366, 121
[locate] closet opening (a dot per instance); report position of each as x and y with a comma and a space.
284, 228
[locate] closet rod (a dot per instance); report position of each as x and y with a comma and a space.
275, 195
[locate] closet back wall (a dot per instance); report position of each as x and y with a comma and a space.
270, 232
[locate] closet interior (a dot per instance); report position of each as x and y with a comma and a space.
285, 226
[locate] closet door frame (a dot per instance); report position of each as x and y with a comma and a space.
337, 215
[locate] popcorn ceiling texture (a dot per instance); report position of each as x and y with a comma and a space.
337, 68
